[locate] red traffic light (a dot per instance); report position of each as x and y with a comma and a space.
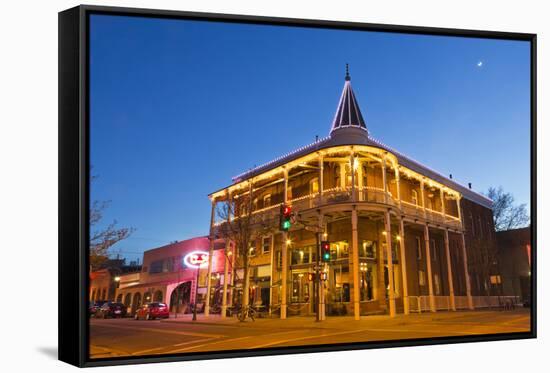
325, 251
286, 215
287, 210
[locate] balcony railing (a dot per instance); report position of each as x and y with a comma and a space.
359, 194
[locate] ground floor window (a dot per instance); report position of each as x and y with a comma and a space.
300, 288
339, 283
367, 249
366, 279
437, 284
339, 249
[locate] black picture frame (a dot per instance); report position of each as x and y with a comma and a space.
74, 181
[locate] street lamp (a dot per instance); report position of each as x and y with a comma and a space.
196, 259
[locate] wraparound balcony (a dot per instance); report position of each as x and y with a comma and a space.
367, 195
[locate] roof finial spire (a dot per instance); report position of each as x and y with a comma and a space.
347, 73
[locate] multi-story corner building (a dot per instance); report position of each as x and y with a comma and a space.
401, 234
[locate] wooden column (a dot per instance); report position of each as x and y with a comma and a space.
442, 199
272, 256
422, 199
233, 254
384, 179
225, 278
342, 175
466, 274
458, 208
398, 186
403, 257
429, 267
360, 180
210, 254
391, 292
320, 290
321, 181
352, 170
355, 264
449, 271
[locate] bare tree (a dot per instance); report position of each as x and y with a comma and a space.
102, 237
240, 227
506, 214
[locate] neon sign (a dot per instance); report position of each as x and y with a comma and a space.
196, 259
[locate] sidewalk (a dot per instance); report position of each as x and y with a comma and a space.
339, 322
201, 319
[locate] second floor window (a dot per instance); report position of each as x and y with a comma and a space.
421, 278
314, 186
267, 200
337, 176
418, 248
414, 197
266, 245
433, 250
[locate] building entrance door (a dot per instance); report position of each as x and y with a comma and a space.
265, 297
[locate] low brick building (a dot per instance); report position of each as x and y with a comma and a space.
514, 252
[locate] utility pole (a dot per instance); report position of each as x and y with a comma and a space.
318, 277
317, 280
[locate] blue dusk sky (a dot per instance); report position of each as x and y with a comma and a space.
179, 107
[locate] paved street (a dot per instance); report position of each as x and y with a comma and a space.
125, 337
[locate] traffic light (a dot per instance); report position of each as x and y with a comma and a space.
325, 251
286, 212
310, 276
323, 276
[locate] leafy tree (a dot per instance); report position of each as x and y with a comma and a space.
506, 214
242, 228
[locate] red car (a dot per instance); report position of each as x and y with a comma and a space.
151, 311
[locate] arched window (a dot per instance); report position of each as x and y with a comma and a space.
158, 296
128, 299
119, 298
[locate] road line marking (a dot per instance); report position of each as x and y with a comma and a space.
307, 337
142, 352
231, 340
189, 342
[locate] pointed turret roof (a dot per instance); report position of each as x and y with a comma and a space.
349, 128
348, 113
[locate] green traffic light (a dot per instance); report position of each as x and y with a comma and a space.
326, 256
286, 224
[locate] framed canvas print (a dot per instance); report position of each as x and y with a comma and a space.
239, 186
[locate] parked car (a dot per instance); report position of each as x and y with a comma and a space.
94, 306
111, 309
151, 311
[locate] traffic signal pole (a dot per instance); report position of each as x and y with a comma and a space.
317, 282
